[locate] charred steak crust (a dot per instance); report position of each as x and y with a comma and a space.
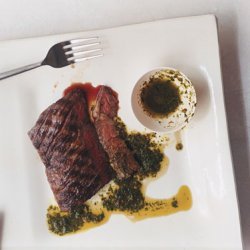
67, 142
103, 114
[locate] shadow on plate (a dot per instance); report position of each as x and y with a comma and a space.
1, 228
200, 82
236, 115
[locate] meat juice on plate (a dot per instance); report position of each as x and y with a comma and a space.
86, 119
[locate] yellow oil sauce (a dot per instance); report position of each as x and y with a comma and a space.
89, 225
182, 201
178, 138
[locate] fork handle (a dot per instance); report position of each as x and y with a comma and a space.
19, 70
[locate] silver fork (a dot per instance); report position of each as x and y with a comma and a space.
63, 54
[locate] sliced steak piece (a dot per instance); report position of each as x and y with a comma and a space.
77, 166
103, 114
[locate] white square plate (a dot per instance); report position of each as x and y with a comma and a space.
189, 44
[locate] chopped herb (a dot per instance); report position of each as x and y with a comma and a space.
126, 197
67, 222
146, 151
174, 203
179, 146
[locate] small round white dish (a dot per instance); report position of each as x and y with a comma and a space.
183, 113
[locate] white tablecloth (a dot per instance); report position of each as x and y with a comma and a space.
28, 18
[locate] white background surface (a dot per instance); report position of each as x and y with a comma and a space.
36, 17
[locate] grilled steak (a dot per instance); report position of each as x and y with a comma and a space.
103, 114
67, 142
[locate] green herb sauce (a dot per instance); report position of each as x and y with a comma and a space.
67, 222
146, 151
128, 195
160, 97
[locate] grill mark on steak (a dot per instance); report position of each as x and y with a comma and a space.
64, 143
47, 126
39, 124
67, 142
55, 133
67, 171
103, 114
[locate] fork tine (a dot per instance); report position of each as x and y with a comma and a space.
80, 53
80, 41
84, 58
79, 47
70, 46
